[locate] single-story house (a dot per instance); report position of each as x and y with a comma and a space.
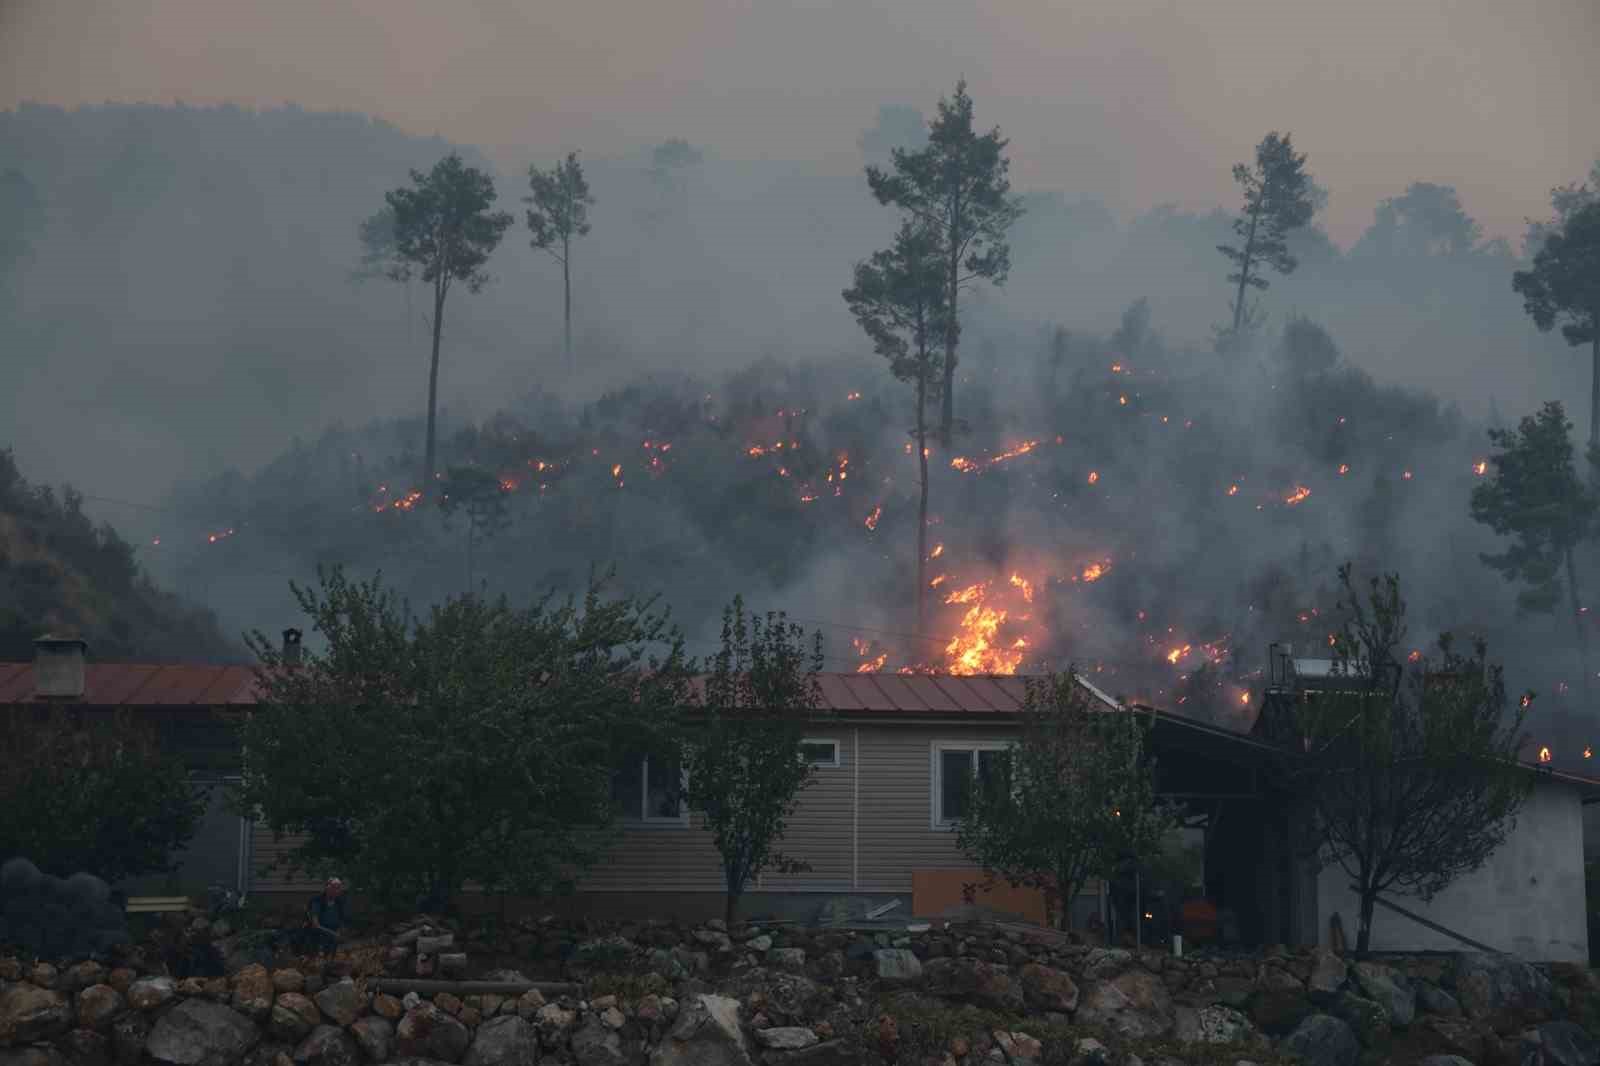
877, 825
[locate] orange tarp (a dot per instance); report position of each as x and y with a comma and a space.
934, 891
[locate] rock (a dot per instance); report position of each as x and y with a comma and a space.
448, 1002
1046, 989
1445, 1060
85, 1047
341, 1002
98, 1005
1435, 1000
374, 1035
713, 939
28, 1013
122, 979
491, 1004
793, 959
1145, 991
1277, 979
1233, 991
1492, 986
148, 993
453, 963
1564, 1044
252, 991
786, 1037
293, 1017
1090, 1052
288, 980
1389, 990
216, 989
428, 1032
1102, 963
200, 1033
44, 975
1366, 1017
387, 1007
971, 979
433, 945
1279, 1012
1456, 1034
470, 1017
128, 1034
1328, 973
82, 975
598, 1045
32, 1056
897, 965
827, 1053
504, 1041
554, 1022
328, 1045
1211, 1025
707, 1033
528, 1003
1323, 1040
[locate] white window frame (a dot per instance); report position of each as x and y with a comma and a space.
639, 820
936, 750
831, 764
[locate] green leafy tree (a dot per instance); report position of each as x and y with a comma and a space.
1411, 774
560, 212
899, 299
743, 754
1535, 497
957, 188
1073, 798
1277, 200
1426, 220
444, 230
1563, 286
94, 796
477, 744
479, 498
1565, 201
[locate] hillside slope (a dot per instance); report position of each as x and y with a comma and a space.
59, 572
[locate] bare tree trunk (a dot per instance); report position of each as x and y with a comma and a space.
1364, 934
1244, 270
566, 281
1594, 386
922, 505
433, 389
469, 555
952, 325
1577, 621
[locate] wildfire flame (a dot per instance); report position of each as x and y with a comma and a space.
212, 538
852, 396
1406, 475
1018, 581
938, 550
1415, 656
1300, 493
1588, 752
967, 466
1095, 571
872, 519
1544, 754
1176, 654
1233, 490
1344, 468
1481, 467
1094, 476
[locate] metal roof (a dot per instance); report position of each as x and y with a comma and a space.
140, 685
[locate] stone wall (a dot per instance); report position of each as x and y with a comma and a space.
668, 995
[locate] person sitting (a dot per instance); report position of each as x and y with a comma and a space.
325, 918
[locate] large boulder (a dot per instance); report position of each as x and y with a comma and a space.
98, 1005
974, 981
1045, 989
128, 1036
340, 1001
327, 1045
85, 1047
504, 1040
253, 991
1102, 963
1435, 1000
1215, 1024
1135, 1004
1562, 1044
1279, 1012
1366, 1017
1501, 988
1389, 989
293, 1017
897, 965
197, 1032
597, 1044
1323, 1040
1328, 973
374, 1035
707, 1033
428, 1032
148, 993
28, 1013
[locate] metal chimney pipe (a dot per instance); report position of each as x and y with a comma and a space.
291, 647
58, 667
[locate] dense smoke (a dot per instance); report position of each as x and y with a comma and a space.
1165, 511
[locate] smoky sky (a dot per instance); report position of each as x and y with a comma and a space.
1134, 102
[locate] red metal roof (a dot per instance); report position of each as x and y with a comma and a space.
141, 685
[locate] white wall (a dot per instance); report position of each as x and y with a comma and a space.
1528, 899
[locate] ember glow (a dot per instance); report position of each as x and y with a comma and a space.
1300, 493
1233, 490
852, 396
1544, 754
967, 465
1481, 467
212, 538
1094, 476
1344, 468
872, 519
938, 550
1095, 571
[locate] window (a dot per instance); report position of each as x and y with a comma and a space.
823, 754
953, 764
650, 791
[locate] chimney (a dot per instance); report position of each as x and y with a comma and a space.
58, 667
291, 647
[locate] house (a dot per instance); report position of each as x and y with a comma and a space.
877, 824
189, 707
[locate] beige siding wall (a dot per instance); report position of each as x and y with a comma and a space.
896, 813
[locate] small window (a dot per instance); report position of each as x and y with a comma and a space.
648, 790
953, 765
823, 754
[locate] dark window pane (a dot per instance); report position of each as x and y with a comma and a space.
991, 771
627, 785
955, 767
824, 753
665, 780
